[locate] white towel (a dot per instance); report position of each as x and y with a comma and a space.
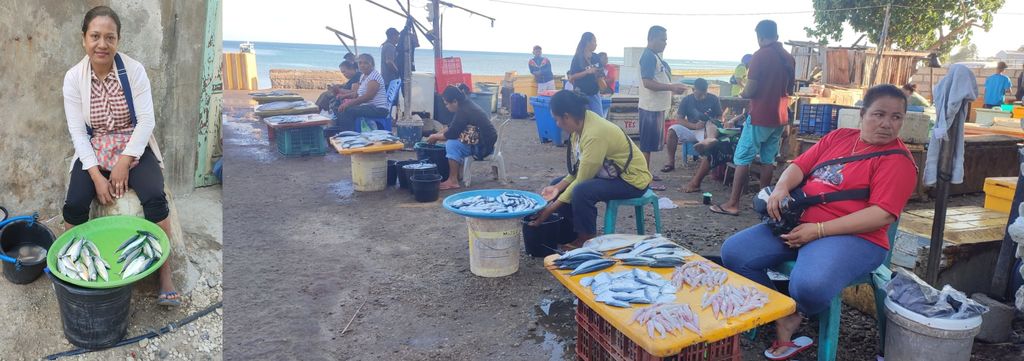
957, 87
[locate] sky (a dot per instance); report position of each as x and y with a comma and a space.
705, 36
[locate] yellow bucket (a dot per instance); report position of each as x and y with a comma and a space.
494, 246
369, 171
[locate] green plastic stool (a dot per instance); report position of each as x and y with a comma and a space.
828, 320
638, 206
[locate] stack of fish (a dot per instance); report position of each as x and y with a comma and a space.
655, 252
731, 301
79, 259
138, 253
275, 93
504, 203
582, 260
698, 274
622, 289
667, 318
351, 139
283, 105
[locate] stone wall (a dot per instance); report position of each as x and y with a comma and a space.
40, 40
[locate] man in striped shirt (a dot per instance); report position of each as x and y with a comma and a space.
371, 99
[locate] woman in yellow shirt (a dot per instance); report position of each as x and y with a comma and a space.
603, 164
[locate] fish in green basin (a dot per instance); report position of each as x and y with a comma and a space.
139, 253
80, 259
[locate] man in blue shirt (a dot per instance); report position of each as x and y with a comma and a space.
540, 67
996, 86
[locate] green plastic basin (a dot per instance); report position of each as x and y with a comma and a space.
108, 233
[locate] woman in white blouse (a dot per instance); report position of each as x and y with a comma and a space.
111, 126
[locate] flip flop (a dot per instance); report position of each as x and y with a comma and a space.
444, 188
655, 178
667, 168
691, 191
657, 187
793, 347
718, 209
165, 300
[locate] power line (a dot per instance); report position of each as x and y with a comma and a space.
677, 14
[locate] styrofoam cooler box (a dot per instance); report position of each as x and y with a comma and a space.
986, 117
631, 56
629, 76
422, 92
915, 130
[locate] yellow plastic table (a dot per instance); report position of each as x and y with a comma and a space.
778, 306
375, 148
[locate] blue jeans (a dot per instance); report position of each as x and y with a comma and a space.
823, 267
582, 209
595, 105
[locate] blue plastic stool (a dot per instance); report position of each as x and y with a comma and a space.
688, 152
638, 204
828, 320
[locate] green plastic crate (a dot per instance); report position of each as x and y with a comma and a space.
297, 142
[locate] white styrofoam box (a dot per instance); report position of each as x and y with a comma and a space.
422, 92
986, 117
849, 118
629, 76
631, 56
630, 126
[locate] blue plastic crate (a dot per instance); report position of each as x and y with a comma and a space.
297, 142
818, 119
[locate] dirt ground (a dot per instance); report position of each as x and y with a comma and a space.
32, 317
307, 255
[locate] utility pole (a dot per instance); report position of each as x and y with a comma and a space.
435, 20
407, 70
352, 20
881, 45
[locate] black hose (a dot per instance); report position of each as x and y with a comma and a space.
151, 334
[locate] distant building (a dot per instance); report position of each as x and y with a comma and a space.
1010, 55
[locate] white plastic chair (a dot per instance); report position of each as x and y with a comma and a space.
496, 161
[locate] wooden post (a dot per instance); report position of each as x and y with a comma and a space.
435, 6
881, 46
407, 71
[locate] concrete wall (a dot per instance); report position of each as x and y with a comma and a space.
40, 40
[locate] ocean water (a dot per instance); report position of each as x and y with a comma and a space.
327, 57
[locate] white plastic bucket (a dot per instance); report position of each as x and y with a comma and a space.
494, 246
369, 172
912, 337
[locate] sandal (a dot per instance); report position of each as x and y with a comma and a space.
668, 168
718, 209
170, 299
792, 348
657, 187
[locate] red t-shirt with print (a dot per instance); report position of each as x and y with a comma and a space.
891, 179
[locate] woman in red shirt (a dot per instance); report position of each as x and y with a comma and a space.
835, 242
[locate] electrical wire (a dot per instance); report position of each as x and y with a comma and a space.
678, 14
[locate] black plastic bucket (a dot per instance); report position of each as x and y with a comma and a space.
392, 172
436, 154
543, 240
414, 168
426, 187
93, 318
402, 176
20, 233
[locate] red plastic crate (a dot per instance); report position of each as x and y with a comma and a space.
448, 66
443, 81
598, 340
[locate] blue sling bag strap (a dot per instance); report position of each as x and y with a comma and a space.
122, 74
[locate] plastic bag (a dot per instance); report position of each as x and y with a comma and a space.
913, 293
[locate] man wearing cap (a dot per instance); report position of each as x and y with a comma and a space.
388, 54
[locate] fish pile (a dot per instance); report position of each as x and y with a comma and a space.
79, 259
350, 139
731, 301
667, 318
656, 252
283, 105
275, 93
699, 274
504, 203
138, 253
290, 119
608, 242
623, 288
582, 260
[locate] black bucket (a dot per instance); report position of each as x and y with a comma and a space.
426, 187
543, 240
436, 154
392, 172
93, 318
403, 178
18, 234
421, 167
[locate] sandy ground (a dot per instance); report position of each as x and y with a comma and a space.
307, 255
32, 317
